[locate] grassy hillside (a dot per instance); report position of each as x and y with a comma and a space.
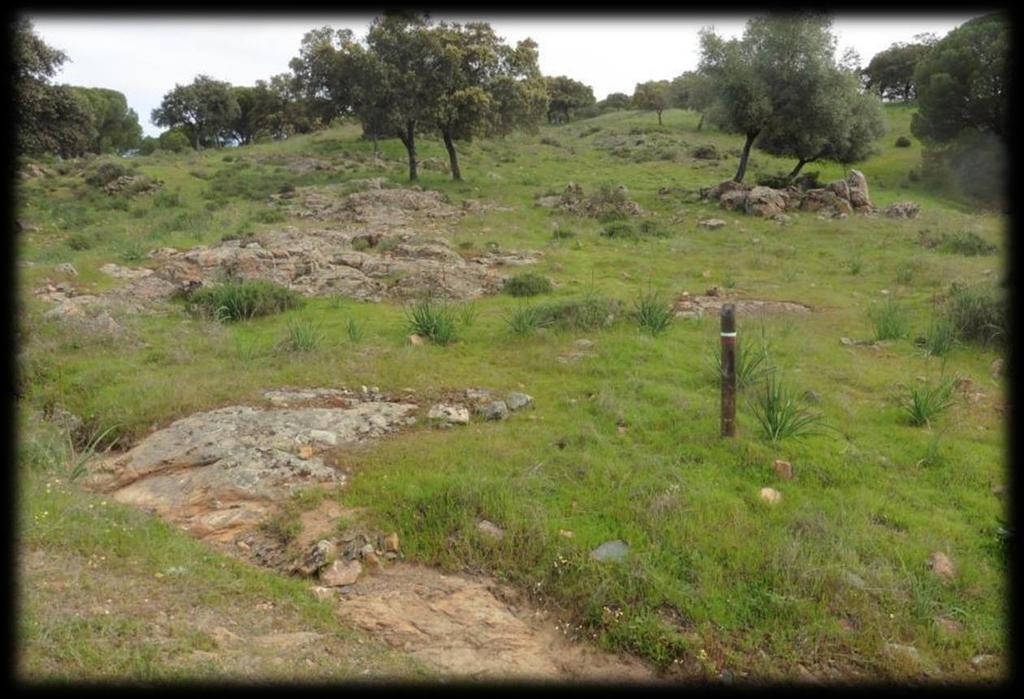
623, 444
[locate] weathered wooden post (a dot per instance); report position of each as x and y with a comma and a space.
728, 334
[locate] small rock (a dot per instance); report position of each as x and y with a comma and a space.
706, 274
846, 341
566, 533
324, 436
495, 410
812, 397
515, 401
999, 490
450, 413
610, 551
942, 566
341, 573
366, 550
984, 660
390, 543
478, 395
995, 369
784, 469
713, 291
66, 268
305, 451
898, 649
583, 344
322, 593
415, 340
322, 553
770, 495
372, 561
490, 530
711, 223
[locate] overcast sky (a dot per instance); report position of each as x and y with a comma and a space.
144, 58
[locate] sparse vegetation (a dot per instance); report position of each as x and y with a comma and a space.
432, 319
890, 319
653, 313
923, 403
527, 284
779, 413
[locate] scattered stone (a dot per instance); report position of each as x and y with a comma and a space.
322, 593
942, 566
490, 530
341, 573
321, 554
515, 401
372, 561
770, 495
980, 661
495, 410
566, 533
390, 543
784, 469
900, 650
450, 413
995, 369
584, 344
711, 223
324, 436
66, 268
902, 209
119, 272
713, 291
306, 452
611, 551
765, 202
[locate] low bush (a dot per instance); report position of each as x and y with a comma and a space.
978, 313
903, 142
243, 299
527, 284
79, 241
967, 243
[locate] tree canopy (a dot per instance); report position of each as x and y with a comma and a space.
890, 74
204, 110
566, 96
962, 82
653, 96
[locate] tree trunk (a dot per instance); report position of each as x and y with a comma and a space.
659, 117
376, 146
408, 138
744, 156
453, 157
700, 123
796, 171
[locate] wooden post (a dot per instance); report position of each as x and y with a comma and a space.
728, 335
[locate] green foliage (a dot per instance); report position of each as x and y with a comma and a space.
131, 250
527, 284
978, 313
854, 265
941, 337
104, 171
653, 96
566, 98
924, 403
619, 229
653, 313
962, 82
779, 413
524, 319
890, 74
562, 233
890, 320
355, 331
243, 299
80, 241
752, 362
903, 142
967, 243
203, 110
432, 319
173, 141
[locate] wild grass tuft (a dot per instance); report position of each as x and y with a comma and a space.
354, 330
779, 413
242, 300
941, 337
890, 320
653, 313
524, 320
432, 319
302, 336
753, 361
978, 313
924, 403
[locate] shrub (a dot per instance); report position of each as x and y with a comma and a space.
527, 284
132, 250
941, 337
967, 243
653, 229
779, 414
652, 312
79, 241
890, 320
524, 320
563, 233
104, 172
775, 181
432, 319
619, 229
708, 152
854, 265
903, 142
978, 313
167, 199
244, 299
571, 314
926, 402
548, 141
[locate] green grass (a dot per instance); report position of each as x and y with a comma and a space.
922, 404
890, 319
653, 313
432, 319
626, 436
779, 413
527, 284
